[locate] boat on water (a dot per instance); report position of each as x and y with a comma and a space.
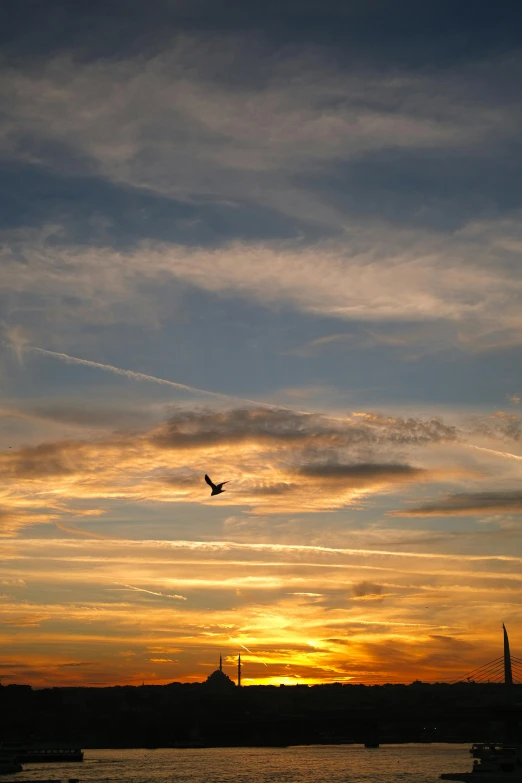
497, 762
493, 763
37, 752
9, 765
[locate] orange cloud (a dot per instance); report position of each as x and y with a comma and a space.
279, 460
315, 610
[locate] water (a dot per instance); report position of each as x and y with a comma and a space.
308, 764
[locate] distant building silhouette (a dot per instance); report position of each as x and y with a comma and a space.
218, 681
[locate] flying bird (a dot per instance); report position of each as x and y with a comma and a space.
216, 488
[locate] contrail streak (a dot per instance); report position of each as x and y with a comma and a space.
236, 641
140, 376
506, 454
88, 534
228, 546
150, 592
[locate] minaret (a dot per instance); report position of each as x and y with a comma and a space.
239, 671
220, 663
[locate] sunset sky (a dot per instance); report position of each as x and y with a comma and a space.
278, 243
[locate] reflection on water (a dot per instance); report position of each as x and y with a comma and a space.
310, 764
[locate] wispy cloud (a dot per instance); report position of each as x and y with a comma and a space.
152, 592
468, 504
158, 549
367, 111
306, 618
305, 116
381, 274
278, 459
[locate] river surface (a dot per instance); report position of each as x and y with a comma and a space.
298, 764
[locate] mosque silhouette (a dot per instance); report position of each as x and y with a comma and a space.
219, 682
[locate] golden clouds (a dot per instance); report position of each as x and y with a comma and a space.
308, 613
380, 601
279, 460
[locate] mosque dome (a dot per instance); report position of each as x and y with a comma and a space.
218, 681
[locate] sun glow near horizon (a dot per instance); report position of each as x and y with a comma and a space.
99, 616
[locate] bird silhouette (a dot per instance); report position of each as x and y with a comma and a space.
216, 488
